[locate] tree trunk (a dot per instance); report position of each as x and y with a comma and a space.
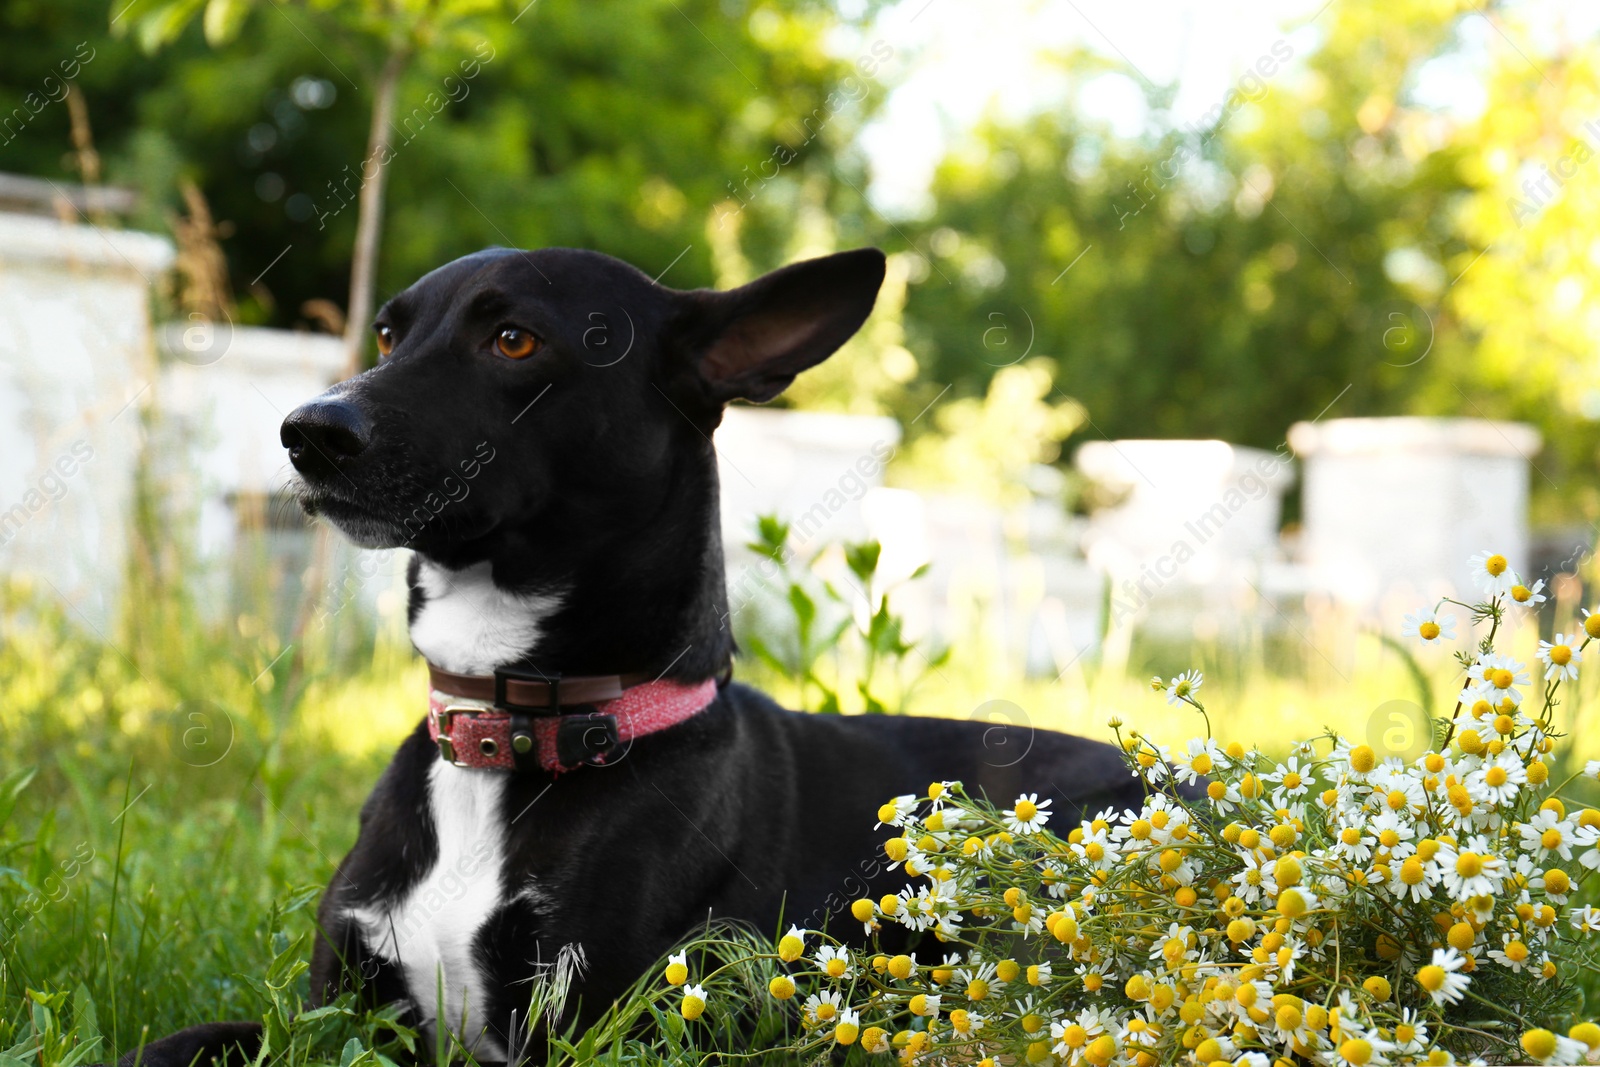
369, 215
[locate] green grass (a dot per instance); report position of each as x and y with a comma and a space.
174, 795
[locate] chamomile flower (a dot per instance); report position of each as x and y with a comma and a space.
1547, 834
1293, 779
677, 971
1498, 780
1073, 1034
896, 811
1354, 843
1585, 919
1513, 953
1442, 979
1254, 878
1471, 871
1529, 596
1184, 686
833, 961
1430, 627
1199, 759
1491, 572
822, 1007
1411, 1034
1497, 678
1560, 657
1028, 815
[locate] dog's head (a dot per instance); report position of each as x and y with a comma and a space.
527, 401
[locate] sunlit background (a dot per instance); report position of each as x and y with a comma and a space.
1215, 334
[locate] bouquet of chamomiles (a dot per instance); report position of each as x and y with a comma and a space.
1335, 908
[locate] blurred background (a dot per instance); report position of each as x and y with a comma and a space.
1215, 334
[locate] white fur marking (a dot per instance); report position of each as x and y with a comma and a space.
469, 625
430, 932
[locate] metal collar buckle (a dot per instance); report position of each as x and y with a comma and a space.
444, 721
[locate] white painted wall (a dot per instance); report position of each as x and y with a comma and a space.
1396, 506
76, 364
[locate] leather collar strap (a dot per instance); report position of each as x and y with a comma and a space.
519, 720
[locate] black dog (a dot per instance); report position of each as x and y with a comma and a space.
578, 398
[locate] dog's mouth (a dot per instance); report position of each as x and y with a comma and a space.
362, 524
396, 517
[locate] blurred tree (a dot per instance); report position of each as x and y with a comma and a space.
398, 30
1221, 281
614, 127
1530, 278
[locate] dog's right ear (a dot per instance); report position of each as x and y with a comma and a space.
749, 343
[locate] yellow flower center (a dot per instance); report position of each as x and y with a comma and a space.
1431, 978
1560, 655
1428, 630
1556, 881
1201, 764
1031, 1023
1075, 1036
1521, 593
1350, 835
1469, 864
1495, 565
977, 989
1501, 678
1495, 776
1026, 810
1411, 871
1357, 1051
1288, 1017
1291, 781
1516, 951
1540, 1044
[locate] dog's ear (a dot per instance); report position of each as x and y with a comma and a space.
749, 343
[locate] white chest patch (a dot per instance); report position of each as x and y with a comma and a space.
469, 625
429, 933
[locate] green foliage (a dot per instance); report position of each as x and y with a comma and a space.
620, 127
833, 633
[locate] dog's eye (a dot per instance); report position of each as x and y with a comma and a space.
385, 339
516, 344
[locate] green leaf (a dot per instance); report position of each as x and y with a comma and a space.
805, 609
352, 1052
862, 559
223, 19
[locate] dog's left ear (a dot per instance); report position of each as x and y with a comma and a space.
749, 343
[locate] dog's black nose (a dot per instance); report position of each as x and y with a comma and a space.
321, 434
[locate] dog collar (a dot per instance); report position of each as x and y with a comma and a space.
516, 719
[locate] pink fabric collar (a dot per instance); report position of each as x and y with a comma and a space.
478, 735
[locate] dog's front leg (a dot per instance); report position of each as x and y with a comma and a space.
220, 1044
